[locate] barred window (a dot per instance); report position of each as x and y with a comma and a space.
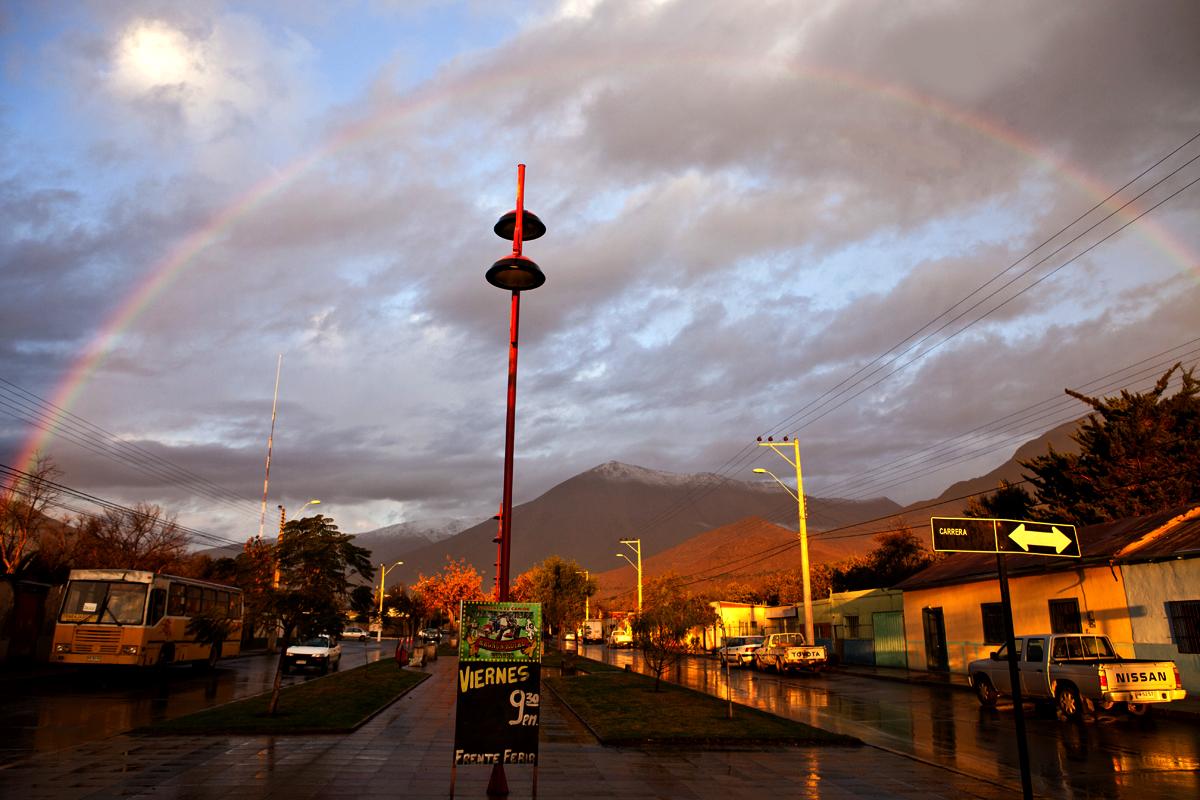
993, 622
1064, 616
1184, 616
852, 627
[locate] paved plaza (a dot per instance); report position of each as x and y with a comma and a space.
406, 752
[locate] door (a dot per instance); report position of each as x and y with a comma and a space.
935, 639
1034, 680
889, 639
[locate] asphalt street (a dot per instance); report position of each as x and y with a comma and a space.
1117, 755
61, 710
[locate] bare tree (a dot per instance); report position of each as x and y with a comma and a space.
143, 537
23, 518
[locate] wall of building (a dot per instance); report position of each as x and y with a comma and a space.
1098, 590
1147, 589
862, 604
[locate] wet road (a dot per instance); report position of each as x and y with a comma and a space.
1117, 756
60, 711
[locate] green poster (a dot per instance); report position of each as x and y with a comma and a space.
501, 632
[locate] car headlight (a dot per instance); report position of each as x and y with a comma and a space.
62, 648
129, 650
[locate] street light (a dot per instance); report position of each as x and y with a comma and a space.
515, 273
798, 495
383, 577
630, 543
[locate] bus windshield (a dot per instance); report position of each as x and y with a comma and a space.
113, 602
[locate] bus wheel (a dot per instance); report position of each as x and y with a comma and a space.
206, 664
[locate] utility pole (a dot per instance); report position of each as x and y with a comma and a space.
809, 631
635, 545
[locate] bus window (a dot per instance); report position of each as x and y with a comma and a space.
235, 606
194, 594
223, 602
105, 602
158, 606
210, 600
176, 605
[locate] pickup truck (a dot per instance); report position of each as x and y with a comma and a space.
787, 651
1079, 672
619, 637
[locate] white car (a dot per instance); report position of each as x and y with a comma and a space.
355, 633
739, 650
321, 652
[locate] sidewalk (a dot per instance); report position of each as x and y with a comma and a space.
1188, 708
406, 751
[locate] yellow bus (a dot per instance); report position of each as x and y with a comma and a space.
138, 618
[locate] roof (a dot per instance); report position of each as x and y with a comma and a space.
1169, 534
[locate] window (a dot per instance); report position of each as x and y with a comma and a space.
1002, 653
194, 595
1035, 650
210, 599
852, 627
175, 604
1184, 616
993, 622
1064, 616
158, 606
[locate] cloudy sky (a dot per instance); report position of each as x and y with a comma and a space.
819, 219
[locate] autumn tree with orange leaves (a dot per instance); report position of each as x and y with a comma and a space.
444, 591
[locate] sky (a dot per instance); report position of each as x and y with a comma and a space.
888, 229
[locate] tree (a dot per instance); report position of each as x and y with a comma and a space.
143, 537
314, 561
1139, 454
900, 554
737, 592
23, 518
561, 588
669, 613
1008, 502
444, 591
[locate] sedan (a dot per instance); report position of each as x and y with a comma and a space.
739, 650
431, 635
321, 652
355, 633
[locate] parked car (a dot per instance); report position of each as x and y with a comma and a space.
321, 652
1076, 671
618, 638
785, 652
430, 635
355, 633
739, 650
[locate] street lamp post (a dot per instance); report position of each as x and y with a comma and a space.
809, 630
515, 273
383, 571
635, 545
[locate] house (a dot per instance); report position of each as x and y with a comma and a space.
1137, 582
868, 627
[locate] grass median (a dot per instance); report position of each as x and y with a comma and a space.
622, 708
337, 703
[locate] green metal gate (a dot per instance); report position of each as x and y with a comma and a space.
889, 639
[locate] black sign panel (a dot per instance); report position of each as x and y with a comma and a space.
968, 535
498, 713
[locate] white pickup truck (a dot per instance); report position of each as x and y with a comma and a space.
787, 651
1080, 672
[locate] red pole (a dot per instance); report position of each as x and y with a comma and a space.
510, 426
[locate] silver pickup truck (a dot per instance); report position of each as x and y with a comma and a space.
1080, 672
787, 651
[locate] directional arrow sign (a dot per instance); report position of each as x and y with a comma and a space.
1037, 538
1051, 538
967, 535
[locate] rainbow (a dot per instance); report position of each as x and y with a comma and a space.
168, 269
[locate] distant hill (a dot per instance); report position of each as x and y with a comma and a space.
583, 517
743, 549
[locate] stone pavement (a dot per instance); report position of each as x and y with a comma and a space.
406, 752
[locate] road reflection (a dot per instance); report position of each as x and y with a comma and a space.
1114, 756
65, 710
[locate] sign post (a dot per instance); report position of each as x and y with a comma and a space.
499, 688
1000, 536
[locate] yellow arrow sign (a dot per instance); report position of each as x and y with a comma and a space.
1051, 538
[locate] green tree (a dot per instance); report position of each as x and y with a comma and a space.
314, 561
562, 589
1007, 502
669, 613
899, 554
1139, 454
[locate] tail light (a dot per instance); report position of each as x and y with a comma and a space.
1178, 680
1103, 681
